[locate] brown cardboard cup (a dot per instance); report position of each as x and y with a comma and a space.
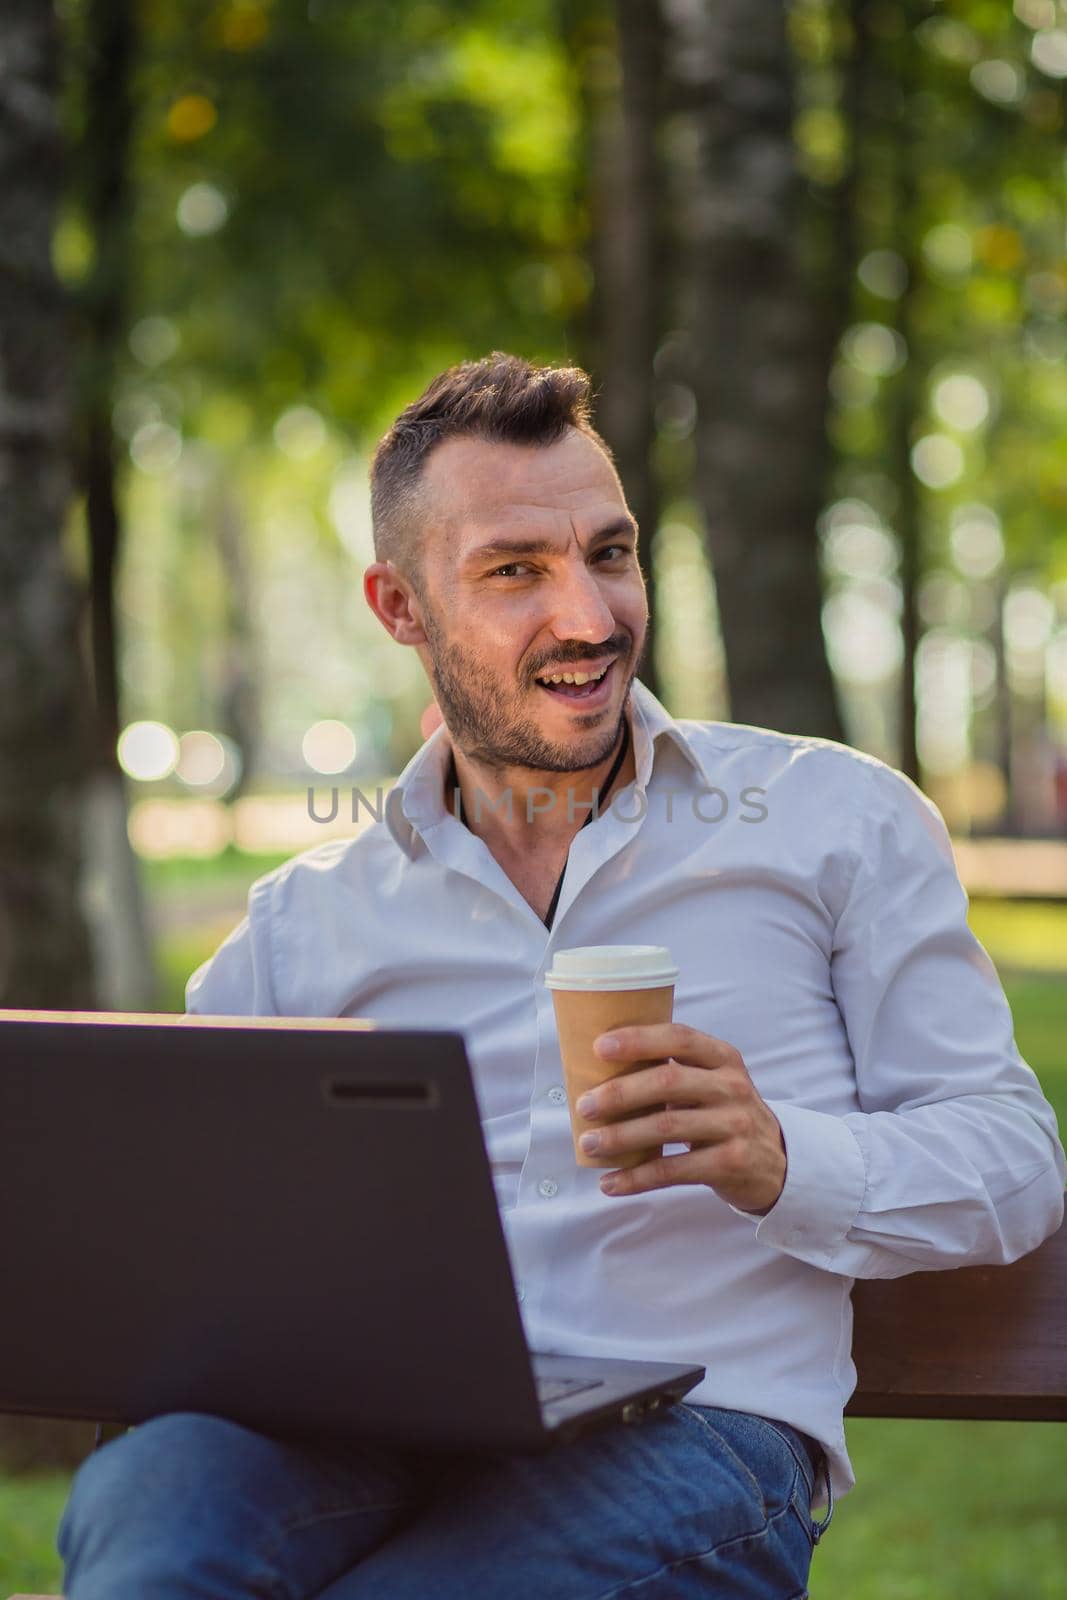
586, 1007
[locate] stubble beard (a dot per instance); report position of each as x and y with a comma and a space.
498, 737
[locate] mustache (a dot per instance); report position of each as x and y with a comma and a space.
616, 648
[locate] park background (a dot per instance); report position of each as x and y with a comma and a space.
814, 256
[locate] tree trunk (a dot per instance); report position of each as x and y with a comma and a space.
115, 899
628, 264
239, 713
758, 358
906, 404
1003, 714
45, 957
45, 953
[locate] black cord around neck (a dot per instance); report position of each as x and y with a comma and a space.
612, 775
452, 782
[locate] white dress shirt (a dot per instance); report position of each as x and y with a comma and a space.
809, 895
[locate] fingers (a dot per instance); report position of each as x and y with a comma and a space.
667, 1081
655, 1040
698, 1127
638, 1133
662, 1173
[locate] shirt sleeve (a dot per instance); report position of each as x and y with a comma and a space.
236, 981
955, 1157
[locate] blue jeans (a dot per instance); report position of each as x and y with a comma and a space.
693, 1501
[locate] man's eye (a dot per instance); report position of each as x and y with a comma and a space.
514, 566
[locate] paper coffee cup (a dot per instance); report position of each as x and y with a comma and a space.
596, 988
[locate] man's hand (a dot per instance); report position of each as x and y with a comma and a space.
735, 1141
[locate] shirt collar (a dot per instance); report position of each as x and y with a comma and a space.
416, 802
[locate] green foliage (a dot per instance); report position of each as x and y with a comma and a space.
955, 93
331, 204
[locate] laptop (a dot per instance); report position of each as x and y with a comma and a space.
288, 1222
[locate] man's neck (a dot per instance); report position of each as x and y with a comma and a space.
518, 812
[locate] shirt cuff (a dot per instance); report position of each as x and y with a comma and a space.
825, 1181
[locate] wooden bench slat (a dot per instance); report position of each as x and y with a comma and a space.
970, 1342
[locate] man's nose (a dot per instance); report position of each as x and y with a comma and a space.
579, 610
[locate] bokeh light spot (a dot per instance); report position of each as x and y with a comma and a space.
190, 117
329, 746
976, 541
998, 81
349, 508
244, 25
154, 340
1029, 616
147, 751
156, 447
962, 401
862, 637
300, 432
1000, 247
874, 348
1048, 52
202, 209
1036, 13
884, 273
202, 758
859, 550
937, 461
947, 249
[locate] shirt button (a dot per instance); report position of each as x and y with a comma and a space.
547, 1187
520, 1291
558, 1095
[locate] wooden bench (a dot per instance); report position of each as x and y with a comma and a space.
977, 1342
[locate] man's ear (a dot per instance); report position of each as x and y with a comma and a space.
394, 602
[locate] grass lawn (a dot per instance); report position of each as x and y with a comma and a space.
948, 1511
30, 1509
941, 1510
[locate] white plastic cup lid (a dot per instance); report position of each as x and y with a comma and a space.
612, 966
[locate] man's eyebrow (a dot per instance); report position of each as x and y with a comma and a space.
542, 546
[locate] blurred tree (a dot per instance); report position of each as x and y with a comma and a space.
893, 112
333, 202
756, 356
326, 206
949, 390
628, 255
44, 951
239, 699
109, 45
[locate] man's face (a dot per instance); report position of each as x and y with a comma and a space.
497, 619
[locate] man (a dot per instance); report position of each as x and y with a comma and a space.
844, 1097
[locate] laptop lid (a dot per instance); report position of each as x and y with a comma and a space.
287, 1221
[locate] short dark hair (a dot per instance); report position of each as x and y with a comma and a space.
502, 399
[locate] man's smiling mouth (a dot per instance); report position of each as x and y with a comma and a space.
569, 683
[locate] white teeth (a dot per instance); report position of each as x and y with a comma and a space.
575, 677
